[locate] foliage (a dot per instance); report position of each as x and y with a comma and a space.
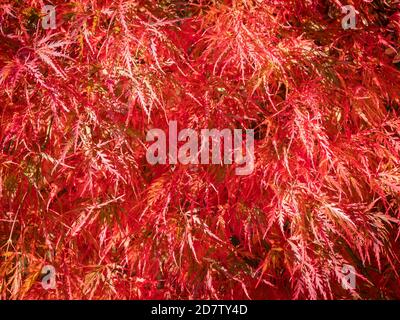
76, 191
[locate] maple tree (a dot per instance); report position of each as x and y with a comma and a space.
76, 191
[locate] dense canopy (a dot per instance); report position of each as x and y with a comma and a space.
77, 193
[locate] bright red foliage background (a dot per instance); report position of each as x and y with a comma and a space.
76, 191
